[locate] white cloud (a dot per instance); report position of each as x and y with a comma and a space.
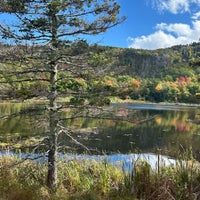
196, 16
177, 29
168, 35
175, 6
154, 41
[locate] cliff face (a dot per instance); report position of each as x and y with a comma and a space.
180, 60
150, 64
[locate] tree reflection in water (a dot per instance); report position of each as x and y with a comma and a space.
171, 130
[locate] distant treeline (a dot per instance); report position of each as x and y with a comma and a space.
170, 74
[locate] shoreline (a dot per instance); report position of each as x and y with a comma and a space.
160, 103
116, 101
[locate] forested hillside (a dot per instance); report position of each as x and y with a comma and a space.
170, 74
159, 63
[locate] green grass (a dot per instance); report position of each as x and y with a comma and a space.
93, 180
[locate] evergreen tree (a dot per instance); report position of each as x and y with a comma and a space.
37, 39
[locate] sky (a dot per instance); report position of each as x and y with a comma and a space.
154, 24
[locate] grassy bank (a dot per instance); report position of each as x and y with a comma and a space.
93, 180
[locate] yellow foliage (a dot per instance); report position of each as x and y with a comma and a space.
159, 87
17, 146
3, 144
158, 120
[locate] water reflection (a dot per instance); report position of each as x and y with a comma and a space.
170, 129
121, 161
15, 123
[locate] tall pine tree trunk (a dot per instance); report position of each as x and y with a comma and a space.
53, 137
53, 151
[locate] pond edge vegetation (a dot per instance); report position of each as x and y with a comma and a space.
90, 179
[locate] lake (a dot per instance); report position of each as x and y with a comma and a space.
151, 128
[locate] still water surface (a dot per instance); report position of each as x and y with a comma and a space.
168, 128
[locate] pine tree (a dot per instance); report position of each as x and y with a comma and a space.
36, 48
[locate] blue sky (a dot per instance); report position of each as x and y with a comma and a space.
153, 24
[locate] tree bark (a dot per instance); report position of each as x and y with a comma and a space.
53, 151
53, 137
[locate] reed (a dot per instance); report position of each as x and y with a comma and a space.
93, 180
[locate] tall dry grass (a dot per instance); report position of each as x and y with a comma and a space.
94, 180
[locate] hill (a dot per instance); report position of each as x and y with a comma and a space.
175, 61
170, 74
